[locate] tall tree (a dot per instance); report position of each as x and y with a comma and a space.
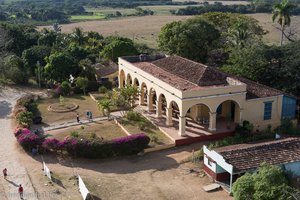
282, 11
192, 38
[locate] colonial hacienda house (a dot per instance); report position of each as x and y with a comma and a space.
193, 97
226, 164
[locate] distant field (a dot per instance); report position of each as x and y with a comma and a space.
142, 29
164, 10
145, 29
223, 2
87, 17
273, 35
106, 11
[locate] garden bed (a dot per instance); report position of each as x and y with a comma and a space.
105, 129
85, 103
156, 136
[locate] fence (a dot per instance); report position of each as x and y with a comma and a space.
82, 188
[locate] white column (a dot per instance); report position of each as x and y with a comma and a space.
241, 116
142, 98
158, 108
212, 121
150, 102
182, 121
169, 117
120, 81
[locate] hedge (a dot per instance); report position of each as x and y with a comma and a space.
86, 148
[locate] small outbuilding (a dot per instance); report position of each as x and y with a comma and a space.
226, 164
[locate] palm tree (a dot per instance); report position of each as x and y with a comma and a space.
282, 11
105, 106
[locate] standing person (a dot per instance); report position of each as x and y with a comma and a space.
21, 191
91, 116
77, 117
87, 115
5, 173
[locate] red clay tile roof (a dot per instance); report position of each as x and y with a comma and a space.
201, 75
104, 70
185, 74
256, 90
246, 157
165, 76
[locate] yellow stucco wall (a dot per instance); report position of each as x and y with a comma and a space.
254, 112
212, 97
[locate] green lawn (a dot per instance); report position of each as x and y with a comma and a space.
105, 11
152, 131
87, 17
103, 129
85, 104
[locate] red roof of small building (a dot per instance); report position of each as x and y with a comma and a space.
244, 157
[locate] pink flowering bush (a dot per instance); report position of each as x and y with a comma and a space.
51, 144
29, 140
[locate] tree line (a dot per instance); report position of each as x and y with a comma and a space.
54, 56
233, 43
254, 7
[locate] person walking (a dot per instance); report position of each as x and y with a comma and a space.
91, 116
21, 191
5, 173
77, 117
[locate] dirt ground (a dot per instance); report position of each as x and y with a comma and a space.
155, 176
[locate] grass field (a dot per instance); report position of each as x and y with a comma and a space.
146, 29
103, 129
87, 17
142, 29
85, 104
273, 35
152, 131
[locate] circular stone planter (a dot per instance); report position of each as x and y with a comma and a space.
67, 107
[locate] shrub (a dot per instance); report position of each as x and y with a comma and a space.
37, 120
24, 118
134, 116
142, 125
66, 87
287, 127
97, 148
131, 144
74, 134
153, 138
30, 140
102, 90
51, 144
245, 129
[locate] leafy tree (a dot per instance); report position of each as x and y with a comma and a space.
105, 106
60, 66
66, 87
19, 37
270, 182
117, 47
25, 118
48, 37
270, 65
243, 188
82, 83
34, 54
78, 36
14, 69
282, 11
192, 38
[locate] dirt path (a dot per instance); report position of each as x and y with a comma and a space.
9, 154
